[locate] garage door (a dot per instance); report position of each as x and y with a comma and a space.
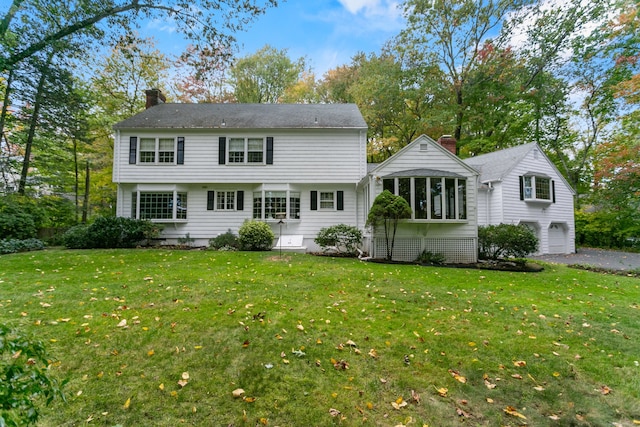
557, 239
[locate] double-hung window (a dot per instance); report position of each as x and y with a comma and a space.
431, 197
327, 200
157, 151
537, 188
246, 150
225, 200
159, 205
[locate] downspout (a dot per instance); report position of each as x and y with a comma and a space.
489, 191
116, 170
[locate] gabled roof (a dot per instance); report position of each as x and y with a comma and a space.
495, 166
246, 116
422, 139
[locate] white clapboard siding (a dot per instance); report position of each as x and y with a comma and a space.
333, 155
550, 221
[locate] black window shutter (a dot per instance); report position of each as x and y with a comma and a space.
133, 147
240, 200
340, 201
553, 190
521, 188
314, 200
210, 199
269, 150
180, 157
222, 150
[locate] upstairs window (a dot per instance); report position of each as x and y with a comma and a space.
245, 151
165, 151
537, 188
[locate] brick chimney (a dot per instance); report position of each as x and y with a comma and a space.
448, 142
154, 97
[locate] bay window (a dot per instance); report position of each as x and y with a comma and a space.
269, 205
159, 205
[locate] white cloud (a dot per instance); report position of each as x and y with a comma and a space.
389, 8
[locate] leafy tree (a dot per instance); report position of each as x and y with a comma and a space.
264, 76
450, 35
29, 27
25, 380
387, 210
201, 76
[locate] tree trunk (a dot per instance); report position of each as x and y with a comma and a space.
85, 204
33, 123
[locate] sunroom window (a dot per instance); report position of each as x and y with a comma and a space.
432, 197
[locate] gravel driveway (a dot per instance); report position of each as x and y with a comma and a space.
600, 258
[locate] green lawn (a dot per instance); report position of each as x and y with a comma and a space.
163, 337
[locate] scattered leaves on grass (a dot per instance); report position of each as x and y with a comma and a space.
399, 403
519, 363
442, 391
510, 410
237, 393
456, 375
605, 390
127, 403
334, 412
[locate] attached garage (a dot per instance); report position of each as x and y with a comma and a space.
557, 238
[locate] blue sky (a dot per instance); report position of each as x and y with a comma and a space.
327, 32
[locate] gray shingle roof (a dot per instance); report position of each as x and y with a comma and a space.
246, 116
423, 172
495, 166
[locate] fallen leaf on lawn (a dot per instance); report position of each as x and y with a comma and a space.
516, 376
442, 391
539, 388
605, 390
300, 327
373, 353
334, 412
514, 412
399, 403
489, 400
185, 375
122, 323
127, 404
554, 417
183, 383
462, 413
150, 353
249, 399
415, 396
351, 343
237, 393
457, 376
264, 421
519, 363
245, 344
161, 386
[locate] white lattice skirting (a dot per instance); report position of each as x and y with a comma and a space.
456, 251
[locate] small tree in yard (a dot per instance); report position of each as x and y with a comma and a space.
387, 210
505, 241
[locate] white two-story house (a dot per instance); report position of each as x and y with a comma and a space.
202, 169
